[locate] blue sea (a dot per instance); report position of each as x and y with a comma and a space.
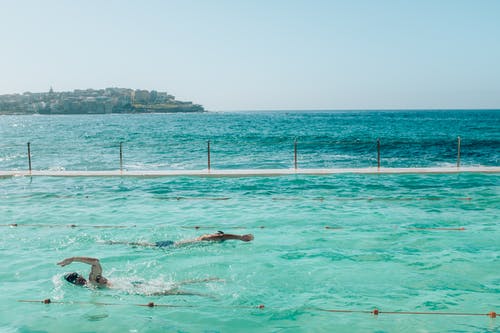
327, 251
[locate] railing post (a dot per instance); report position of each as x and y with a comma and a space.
121, 156
29, 156
295, 153
458, 152
208, 154
378, 153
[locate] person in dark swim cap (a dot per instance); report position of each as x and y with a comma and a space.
95, 276
97, 280
75, 278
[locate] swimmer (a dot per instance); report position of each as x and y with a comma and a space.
95, 275
96, 279
217, 237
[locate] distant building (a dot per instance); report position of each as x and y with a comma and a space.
91, 101
153, 95
141, 97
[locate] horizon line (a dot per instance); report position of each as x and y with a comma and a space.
356, 109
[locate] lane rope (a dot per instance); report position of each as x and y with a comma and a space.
197, 227
67, 226
375, 312
373, 199
443, 229
149, 305
179, 198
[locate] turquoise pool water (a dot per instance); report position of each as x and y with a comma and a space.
391, 241
379, 251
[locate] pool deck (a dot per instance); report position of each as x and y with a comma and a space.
244, 172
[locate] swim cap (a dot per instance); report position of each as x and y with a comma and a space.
75, 278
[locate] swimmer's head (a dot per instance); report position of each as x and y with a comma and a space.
101, 279
75, 278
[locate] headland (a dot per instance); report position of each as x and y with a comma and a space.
92, 101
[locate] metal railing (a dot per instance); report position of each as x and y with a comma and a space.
295, 154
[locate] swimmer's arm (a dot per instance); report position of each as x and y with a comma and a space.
216, 237
95, 270
221, 237
86, 260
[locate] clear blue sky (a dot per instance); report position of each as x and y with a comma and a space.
260, 54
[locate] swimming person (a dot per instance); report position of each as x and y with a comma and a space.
97, 280
217, 237
95, 275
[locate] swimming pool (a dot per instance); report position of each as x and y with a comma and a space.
345, 242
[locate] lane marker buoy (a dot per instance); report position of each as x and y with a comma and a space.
375, 311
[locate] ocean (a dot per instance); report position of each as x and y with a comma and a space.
328, 249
